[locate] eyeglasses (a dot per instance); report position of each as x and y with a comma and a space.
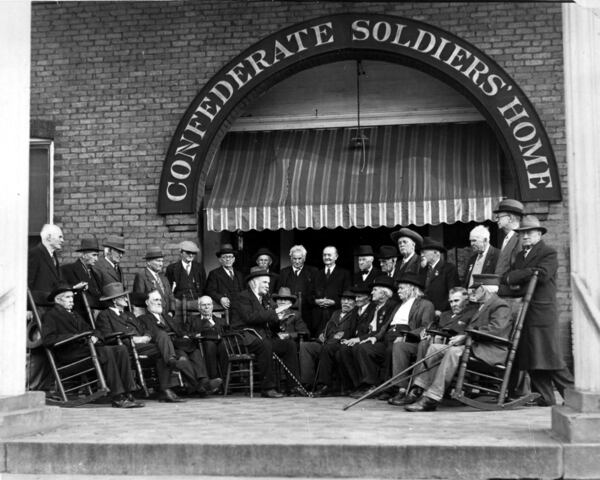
498, 217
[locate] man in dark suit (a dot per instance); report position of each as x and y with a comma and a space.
252, 316
493, 317
484, 256
186, 276
508, 215
107, 268
300, 279
210, 328
225, 283
152, 278
159, 348
388, 258
81, 271
43, 272
539, 346
60, 323
440, 276
264, 259
329, 285
409, 244
366, 271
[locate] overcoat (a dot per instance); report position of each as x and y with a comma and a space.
106, 273
443, 277
489, 264
43, 275
76, 272
219, 284
190, 286
145, 282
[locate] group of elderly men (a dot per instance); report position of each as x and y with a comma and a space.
334, 332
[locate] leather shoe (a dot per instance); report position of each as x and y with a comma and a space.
172, 362
322, 391
272, 393
212, 386
424, 404
169, 396
384, 396
137, 403
122, 402
404, 398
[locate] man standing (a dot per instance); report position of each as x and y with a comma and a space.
539, 346
151, 278
409, 242
440, 276
186, 276
366, 271
43, 272
329, 285
508, 216
224, 283
388, 256
107, 268
484, 256
263, 258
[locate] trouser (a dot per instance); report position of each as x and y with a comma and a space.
215, 357
328, 359
163, 372
436, 380
309, 355
320, 317
263, 352
349, 365
287, 351
371, 357
191, 365
402, 354
544, 382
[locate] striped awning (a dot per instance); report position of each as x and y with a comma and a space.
415, 174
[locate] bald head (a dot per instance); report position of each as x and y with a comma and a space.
52, 237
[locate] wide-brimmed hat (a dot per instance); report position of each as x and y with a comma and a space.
284, 293
531, 222
348, 294
510, 205
188, 246
60, 288
264, 251
485, 279
431, 244
116, 242
412, 279
364, 251
113, 290
383, 281
257, 272
407, 232
89, 244
225, 248
153, 252
387, 251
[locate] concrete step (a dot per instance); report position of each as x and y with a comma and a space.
26, 413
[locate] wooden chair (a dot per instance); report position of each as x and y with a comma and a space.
492, 382
78, 382
240, 363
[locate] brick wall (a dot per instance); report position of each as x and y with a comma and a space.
115, 78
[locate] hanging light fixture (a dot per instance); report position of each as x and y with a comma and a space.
360, 140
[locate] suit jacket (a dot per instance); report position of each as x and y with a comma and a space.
412, 266
76, 272
105, 273
357, 280
109, 322
248, 312
456, 323
42, 273
493, 317
489, 264
192, 285
169, 325
420, 317
145, 282
332, 287
340, 326
443, 277
508, 255
303, 283
198, 325
539, 346
363, 321
293, 324
383, 317
219, 285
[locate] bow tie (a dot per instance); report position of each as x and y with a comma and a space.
364, 272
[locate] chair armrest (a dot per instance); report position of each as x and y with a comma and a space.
116, 335
440, 333
486, 337
74, 338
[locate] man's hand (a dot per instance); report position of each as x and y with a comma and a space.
457, 340
283, 335
29, 315
141, 340
423, 335
370, 339
80, 286
94, 339
321, 338
350, 342
225, 303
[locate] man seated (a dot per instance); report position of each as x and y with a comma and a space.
61, 322
493, 317
291, 325
252, 315
341, 325
115, 318
185, 355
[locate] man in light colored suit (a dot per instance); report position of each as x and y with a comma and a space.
508, 215
107, 268
152, 278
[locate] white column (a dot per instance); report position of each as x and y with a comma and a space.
15, 55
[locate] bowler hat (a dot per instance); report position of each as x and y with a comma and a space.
60, 288
116, 242
225, 248
284, 293
257, 272
113, 290
348, 294
510, 205
361, 290
387, 251
531, 222
407, 232
189, 246
485, 279
153, 252
264, 251
383, 281
364, 251
412, 279
89, 245
431, 244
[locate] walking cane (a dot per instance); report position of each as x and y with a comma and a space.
292, 376
387, 383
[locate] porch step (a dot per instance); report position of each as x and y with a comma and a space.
26, 413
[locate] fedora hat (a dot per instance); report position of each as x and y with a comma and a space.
361, 290
153, 252
60, 288
188, 246
531, 222
348, 294
412, 279
387, 251
225, 248
383, 281
485, 279
431, 244
116, 242
264, 251
113, 290
364, 251
510, 205
284, 293
89, 245
407, 232
257, 272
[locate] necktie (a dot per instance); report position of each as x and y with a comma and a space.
327, 272
229, 272
504, 243
526, 251
159, 284
118, 270
297, 272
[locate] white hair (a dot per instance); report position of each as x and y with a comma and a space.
298, 249
49, 229
481, 231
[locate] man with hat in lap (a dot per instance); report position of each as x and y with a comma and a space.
493, 317
291, 324
61, 322
409, 243
252, 315
264, 258
152, 278
81, 272
116, 319
366, 271
107, 268
440, 276
539, 346
224, 283
186, 276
